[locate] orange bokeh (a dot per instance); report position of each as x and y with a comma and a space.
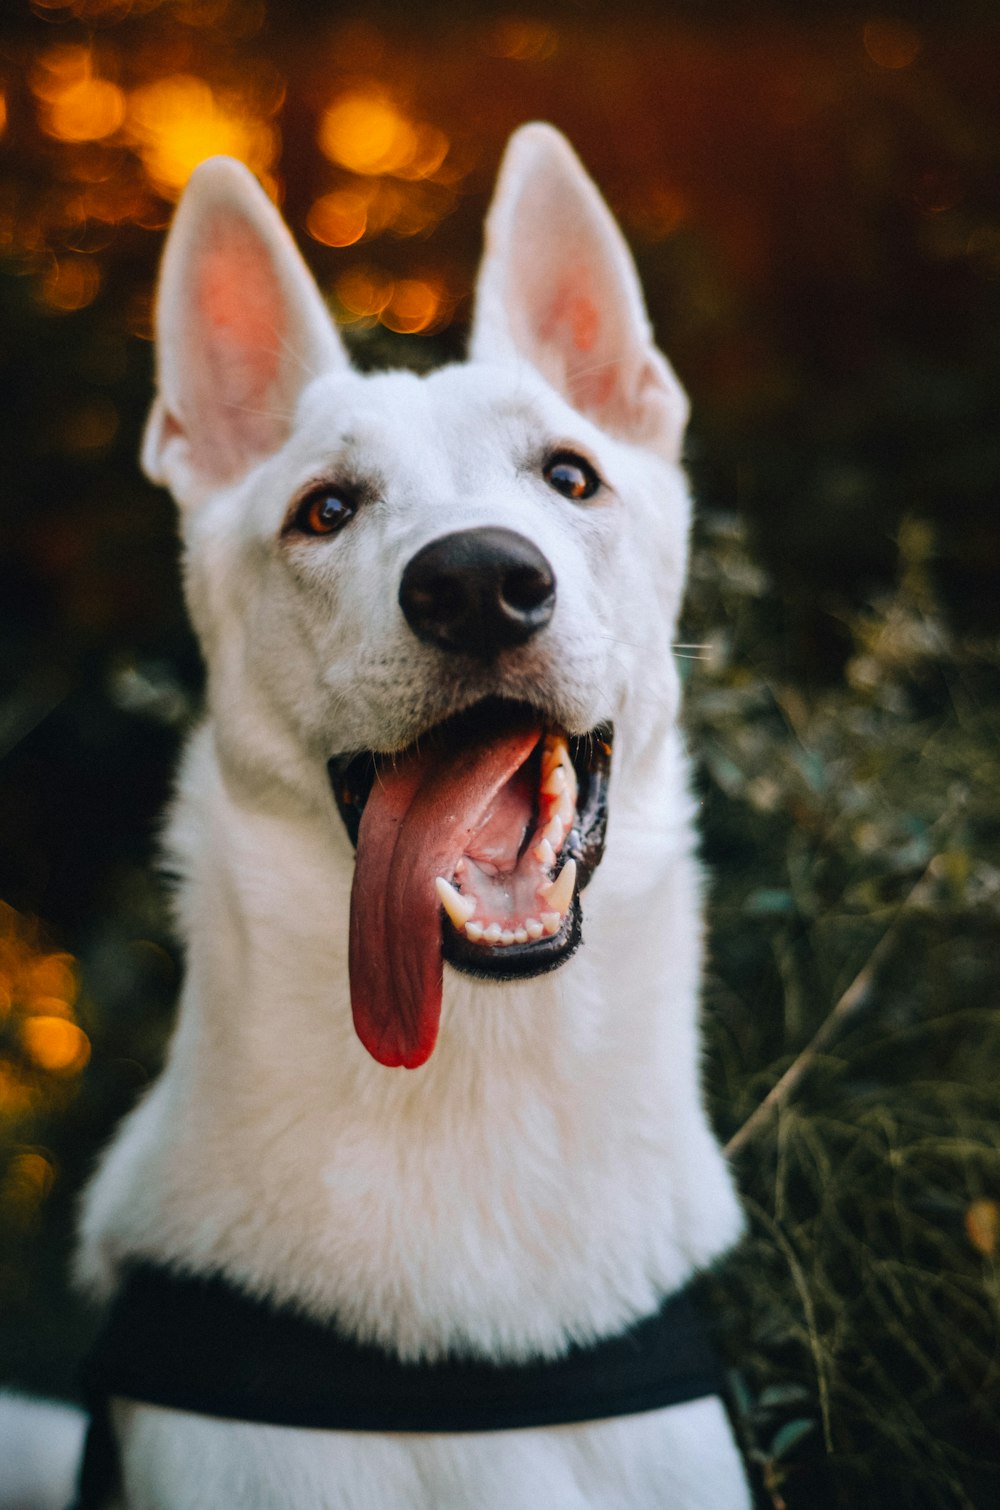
55, 1044
409, 306
176, 122
369, 134
75, 103
71, 283
38, 992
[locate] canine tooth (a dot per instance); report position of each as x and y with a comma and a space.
507, 937
458, 907
551, 922
520, 935
492, 933
559, 893
533, 928
474, 931
545, 854
554, 831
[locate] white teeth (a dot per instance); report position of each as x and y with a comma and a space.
559, 893
491, 935
564, 808
533, 928
551, 922
545, 854
554, 831
474, 931
507, 937
555, 782
458, 907
520, 935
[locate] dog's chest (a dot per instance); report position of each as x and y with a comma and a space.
682, 1455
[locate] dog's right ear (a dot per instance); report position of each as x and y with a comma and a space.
241, 329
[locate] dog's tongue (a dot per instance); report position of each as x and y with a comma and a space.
419, 819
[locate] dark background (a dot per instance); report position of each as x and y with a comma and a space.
813, 195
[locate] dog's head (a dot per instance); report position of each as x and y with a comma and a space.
446, 591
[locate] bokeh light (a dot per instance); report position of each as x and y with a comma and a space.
55, 1044
71, 283
891, 44
42, 1044
368, 133
75, 103
370, 207
174, 123
521, 39
982, 1226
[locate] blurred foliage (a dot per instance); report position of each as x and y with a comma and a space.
813, 195
863, 1309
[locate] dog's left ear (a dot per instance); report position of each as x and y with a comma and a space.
558, 288
241, 329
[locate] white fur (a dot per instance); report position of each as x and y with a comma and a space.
549, 1173
40, 1444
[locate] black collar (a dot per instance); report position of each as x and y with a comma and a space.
201, 1345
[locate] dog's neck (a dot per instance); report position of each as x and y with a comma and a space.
548, 1174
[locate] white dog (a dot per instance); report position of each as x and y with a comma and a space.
401, 1102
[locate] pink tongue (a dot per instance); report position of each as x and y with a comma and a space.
419, 819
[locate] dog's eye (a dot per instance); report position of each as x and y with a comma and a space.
323, 511
571, 476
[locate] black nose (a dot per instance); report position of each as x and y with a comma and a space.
478, 591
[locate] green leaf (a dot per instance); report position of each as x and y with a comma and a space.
786, 1437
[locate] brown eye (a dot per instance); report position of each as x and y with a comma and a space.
323, 511
571, 476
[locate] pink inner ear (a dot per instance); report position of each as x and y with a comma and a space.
239, 300
571, 328
234, 350
572, 312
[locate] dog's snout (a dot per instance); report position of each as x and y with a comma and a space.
478, 591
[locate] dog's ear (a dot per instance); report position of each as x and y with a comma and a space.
558, 288
241, 329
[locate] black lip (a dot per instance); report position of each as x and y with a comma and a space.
352, 778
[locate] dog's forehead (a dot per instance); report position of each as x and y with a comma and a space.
459, 417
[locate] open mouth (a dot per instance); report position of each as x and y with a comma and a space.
472, 846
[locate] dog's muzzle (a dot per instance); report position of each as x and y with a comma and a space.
473, 846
